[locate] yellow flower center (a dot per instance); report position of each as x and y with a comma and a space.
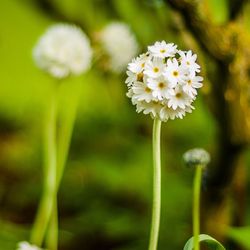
148, 90
162, 50
140, 77
175, 73
161, 85
156, 69
189, 82
178, 95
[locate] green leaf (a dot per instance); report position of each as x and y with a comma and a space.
211, 243
240, 235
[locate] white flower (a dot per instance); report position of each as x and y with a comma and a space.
162, 49
138, 64
63, 50
191, 84
132, 77
24, 245
189, 60
178, 98
169, 113
163, 86
119, 43
160, 87
154, 68
141, 92
174, 72
153, 108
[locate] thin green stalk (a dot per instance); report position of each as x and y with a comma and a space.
155, 224
52, 233
196, 206
49, 191
66, 131
64, 139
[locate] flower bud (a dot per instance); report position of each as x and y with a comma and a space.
196, 157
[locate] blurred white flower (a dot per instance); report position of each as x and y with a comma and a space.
64, 49
120, 45
163, 85
24, 245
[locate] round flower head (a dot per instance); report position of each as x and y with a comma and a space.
196, 157
24, 245
64, 49
119, 44
163, 82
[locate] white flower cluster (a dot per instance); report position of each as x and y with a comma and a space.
163, 82
63, 50
120, 45
24, 245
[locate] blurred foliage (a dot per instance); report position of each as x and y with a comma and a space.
105, 196
240, 235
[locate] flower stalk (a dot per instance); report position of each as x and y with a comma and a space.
196, 206
198, 159
50, 174
51, 240
63, 50
64, 139
156, 210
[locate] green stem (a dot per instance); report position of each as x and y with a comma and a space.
65, 133
52, 233
64, 139
196, 206
155, 224
49, 191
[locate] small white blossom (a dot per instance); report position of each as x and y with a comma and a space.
162, 49
132, 77
141, 92
153, 108
191, 84
154, 68
63, 50
174, 72
24, 245
169, 113
120, 45
178, 98
138, 64
160, 87
189, 60
163, 86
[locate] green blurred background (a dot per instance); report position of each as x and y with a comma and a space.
106, 192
